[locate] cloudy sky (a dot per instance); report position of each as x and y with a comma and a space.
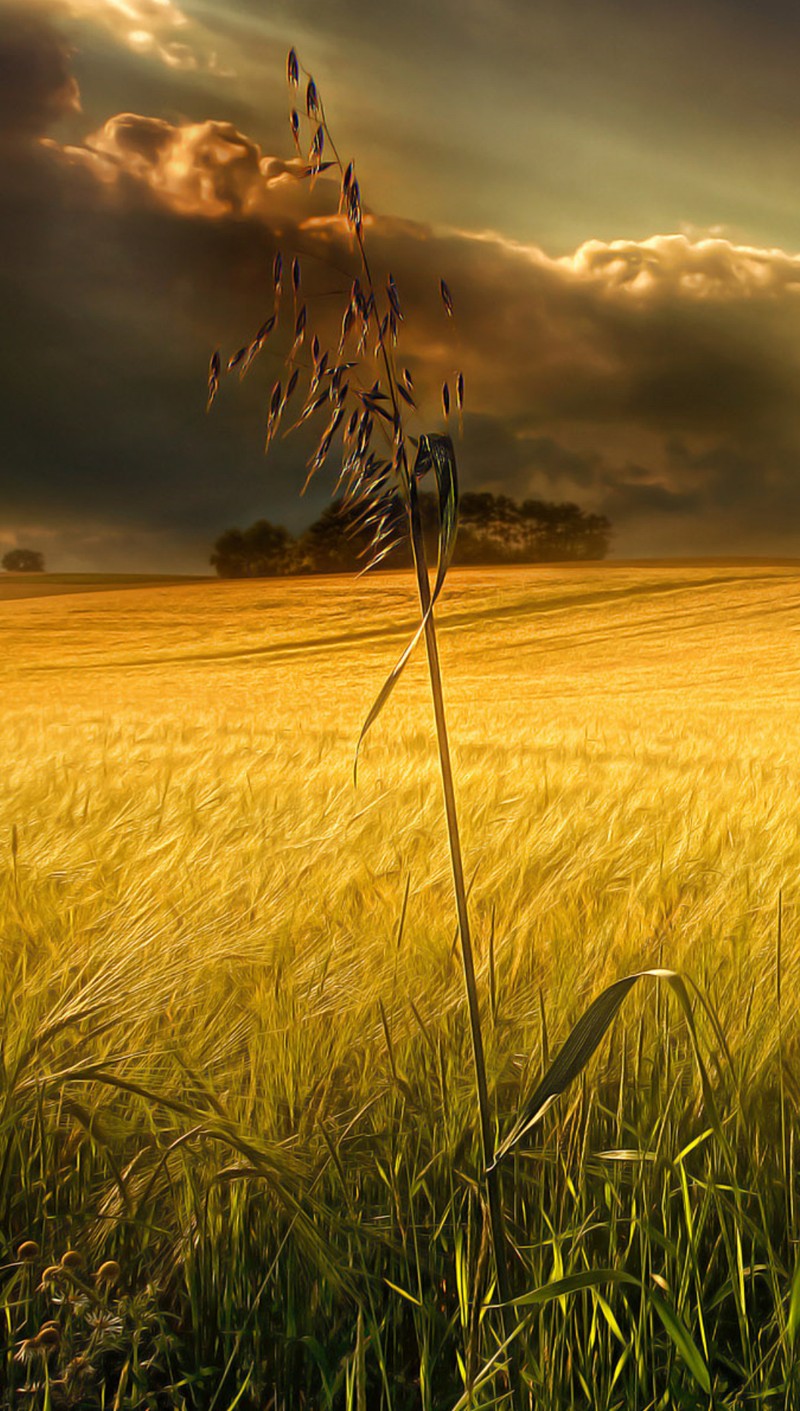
608, 187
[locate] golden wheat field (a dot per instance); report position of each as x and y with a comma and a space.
178, 763
198, 898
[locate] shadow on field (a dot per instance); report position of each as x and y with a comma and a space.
529, 607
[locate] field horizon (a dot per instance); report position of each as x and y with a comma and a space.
19, 586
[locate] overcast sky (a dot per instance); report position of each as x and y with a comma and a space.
609, 188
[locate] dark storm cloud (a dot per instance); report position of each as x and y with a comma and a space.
36, 83
653, 380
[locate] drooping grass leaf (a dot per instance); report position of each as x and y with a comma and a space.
685, 1345
675, 1328
574, 1283
439, 451
585, 1038
435, 453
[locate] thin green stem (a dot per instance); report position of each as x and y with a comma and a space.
491, 1171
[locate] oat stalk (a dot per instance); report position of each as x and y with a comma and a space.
383, 490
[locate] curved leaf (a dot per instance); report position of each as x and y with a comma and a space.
582, 1042
675, 1328
574, 1283
686, 1347
435, 453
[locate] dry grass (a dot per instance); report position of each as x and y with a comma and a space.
190, 855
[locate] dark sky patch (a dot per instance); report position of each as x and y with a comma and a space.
645, 371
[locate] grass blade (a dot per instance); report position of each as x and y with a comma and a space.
582, 1042
685, 1345
435, 453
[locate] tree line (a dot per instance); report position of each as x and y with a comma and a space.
492, 529
23, 561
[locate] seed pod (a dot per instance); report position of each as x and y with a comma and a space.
356, 297
213, 377
28, 1251
315, 154
313, 407
394, 298
108, 1273
384, 324
354, 204
347, 324
73, 1259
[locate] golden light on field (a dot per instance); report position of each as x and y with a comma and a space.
208, 988
177, 761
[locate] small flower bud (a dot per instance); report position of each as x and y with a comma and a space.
108, 1273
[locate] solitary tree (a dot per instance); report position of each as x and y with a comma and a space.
23, 561
261, 551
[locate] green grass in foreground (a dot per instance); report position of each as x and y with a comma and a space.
236, 1068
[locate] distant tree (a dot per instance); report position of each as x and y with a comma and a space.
495, 529
23, 561
566, 531
262, 551
492, 529
340, 542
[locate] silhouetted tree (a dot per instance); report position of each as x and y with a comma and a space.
492, 529
340, 541
262, 551
495, 529
23, 561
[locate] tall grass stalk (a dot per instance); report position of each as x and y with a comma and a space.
491, 1170
434, 453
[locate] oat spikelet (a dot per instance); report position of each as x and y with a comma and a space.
394, 298
315, 152
238, 357
213, 378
